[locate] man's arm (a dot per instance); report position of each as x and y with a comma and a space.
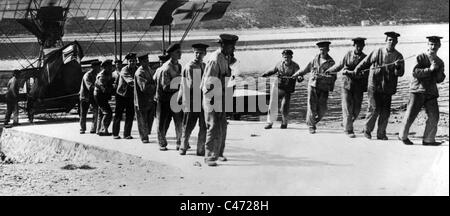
337, 67
303, 72
400, 66
212, 71
270, 72
365, 64
127, 76
440, 76
89, 84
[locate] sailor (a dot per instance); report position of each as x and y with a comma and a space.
319, 86
191, 100
102, 94
144, 97
386, 65
118, 68
217, 70
87, 97
284, 87
12, 99
170, 70
428, 71
353, 86
125, 98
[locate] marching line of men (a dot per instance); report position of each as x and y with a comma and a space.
376, 73
145, 92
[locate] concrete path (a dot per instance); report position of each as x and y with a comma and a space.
290, 162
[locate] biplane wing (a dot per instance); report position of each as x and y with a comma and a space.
161, 12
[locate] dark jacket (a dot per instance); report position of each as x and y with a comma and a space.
88, 85
351, 80
318, 77
283, 71
144, 88
168, 72
190, 84
383, 75
104, 85
125, 85
424, 79
13, 87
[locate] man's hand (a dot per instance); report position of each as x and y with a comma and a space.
434, 67
397, 64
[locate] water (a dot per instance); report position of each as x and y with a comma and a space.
259, 50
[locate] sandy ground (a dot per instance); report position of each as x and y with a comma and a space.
274, 162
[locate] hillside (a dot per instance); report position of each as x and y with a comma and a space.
308, 13
289, 13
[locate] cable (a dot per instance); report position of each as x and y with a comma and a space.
17, 48
197, 13
98, 32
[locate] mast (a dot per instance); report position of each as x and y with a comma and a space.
163, 40
115, 34
120, 29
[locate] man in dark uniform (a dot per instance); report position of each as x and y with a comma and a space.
170, 70
102, 94
115, 74
319, 86
125, 98
144, 97
87, 97
190, 96
284, 87
353, 86
217, 70
12, 99
386, 65
428, 71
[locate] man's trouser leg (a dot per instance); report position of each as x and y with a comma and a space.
432, 110
347, 110
213, 135
285, 103
201, 134
189, 122
223, 134
16, 113
129, 116
151, 116
118, 113
373, 111
84, 107
142, 118
415, 104
12, 108
94, 116
272, 114
164, 118
106, 111
358, 96
178, 122
323, 104
313, 104
383, 120
9, 111
99, 120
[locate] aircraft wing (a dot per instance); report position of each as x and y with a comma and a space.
162, 12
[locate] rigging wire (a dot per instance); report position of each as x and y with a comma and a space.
17, 49
191, 24
93, 27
